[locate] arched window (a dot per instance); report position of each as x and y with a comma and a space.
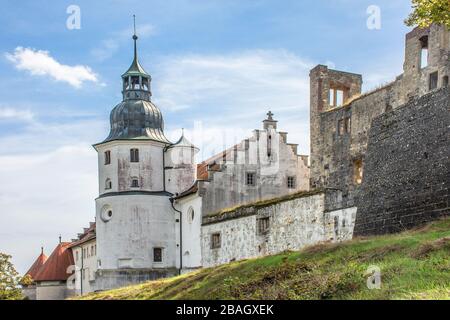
191, 215
134, 155
108, 184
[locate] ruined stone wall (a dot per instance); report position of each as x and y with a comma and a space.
293, 224
337, 156
406, 179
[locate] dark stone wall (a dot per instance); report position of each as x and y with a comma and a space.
406, 172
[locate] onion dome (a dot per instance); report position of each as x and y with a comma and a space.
136, 117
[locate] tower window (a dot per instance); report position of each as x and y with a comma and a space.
250, 178
336, 97
216, 240
445, 81
157, 254
291, 182
134, 155
341, 127
134, 82
433, 80
357, 171
107, 157
424, 52
108, 184
134, 183
348, 125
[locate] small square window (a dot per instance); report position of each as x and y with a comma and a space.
291, 182
251, 179
157, 254
263, 225
215, 241
134, 155
135, 183
107, 157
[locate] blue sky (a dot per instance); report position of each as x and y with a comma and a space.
216, 65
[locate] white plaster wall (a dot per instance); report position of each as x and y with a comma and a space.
53, 290
88, 264
228, 187
139, 223
149, 169
192, 254
294, 224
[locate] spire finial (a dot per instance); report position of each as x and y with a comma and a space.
42, 250
134, 23
59, 238
182, 132
269, 115
135, 37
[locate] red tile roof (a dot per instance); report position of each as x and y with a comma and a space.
202, 168
55, 268
37, 265
87, 235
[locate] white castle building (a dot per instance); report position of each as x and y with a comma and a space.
152, 197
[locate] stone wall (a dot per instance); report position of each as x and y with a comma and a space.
293, 224
406, 176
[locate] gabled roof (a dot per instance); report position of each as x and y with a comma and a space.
55, 268
37, 265
87, 235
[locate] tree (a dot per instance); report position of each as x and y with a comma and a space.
426, 12
9, 279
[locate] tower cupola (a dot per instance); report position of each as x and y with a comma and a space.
136, 81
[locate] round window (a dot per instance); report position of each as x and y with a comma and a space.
107, 213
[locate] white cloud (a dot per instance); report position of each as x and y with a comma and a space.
240, 87
39, 62
13, 114
110, 45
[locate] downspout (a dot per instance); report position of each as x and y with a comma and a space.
81, 271
181, 235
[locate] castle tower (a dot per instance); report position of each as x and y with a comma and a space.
136, 225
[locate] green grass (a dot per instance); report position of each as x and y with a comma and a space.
414, 265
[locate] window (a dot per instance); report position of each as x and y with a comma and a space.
215, 241
135, 83
134, 183
357, 171
433, 80
134, 155
107, 157
336, 226
108, 184
341, 127
336, 97
250, 179
348, 124
157, 254
263, 225
291, 182
445, 81
191, 215
76, 255
424, 52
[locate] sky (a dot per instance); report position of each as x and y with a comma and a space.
217, 67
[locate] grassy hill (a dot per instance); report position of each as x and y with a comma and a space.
414, 265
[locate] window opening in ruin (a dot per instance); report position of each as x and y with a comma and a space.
215, 241
157, 254
336, 97
251, 179
107, 157
291, 182
263, 225
433, 80
134, 155
424, 52
108, 184
341, 127
357, 171
348, 124
269, 146
445, 81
